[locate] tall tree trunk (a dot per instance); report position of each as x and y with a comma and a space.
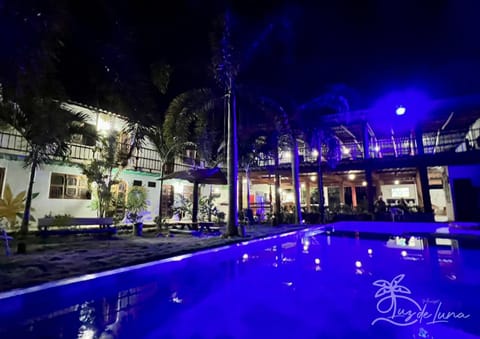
232, 164
296, 181
160, 222
28, 200
321, 197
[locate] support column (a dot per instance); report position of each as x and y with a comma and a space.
368, 170
321, 196
418, 185
378, 188
370, 192
354, 196
342, 193
423, 176
296, 182
277, 209
195, 202
270, 197
278, 214
240, 193
423, 172
247, 177
366, 141
307, 194
448, 194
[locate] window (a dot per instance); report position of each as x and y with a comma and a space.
68, 186
137, 182
152, 184
87, 138
119, 198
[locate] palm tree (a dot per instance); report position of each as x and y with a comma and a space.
103, 171
285, 138
191, 109
167, 150
194, 118
307, 120
304, 122
225, 73
47, 129
265, 142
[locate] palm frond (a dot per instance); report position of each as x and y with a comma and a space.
138, 134
185, 110
45, 125
161, 73
225, 65
167, 150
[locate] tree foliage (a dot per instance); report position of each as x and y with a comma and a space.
47, 129
103, 172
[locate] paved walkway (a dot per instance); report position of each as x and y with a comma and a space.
56, 258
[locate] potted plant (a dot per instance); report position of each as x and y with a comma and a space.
136, 204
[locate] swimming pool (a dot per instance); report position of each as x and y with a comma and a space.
306, 284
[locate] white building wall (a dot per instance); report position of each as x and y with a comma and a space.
17, 177
153, 193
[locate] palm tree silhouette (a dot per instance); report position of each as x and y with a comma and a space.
390, 290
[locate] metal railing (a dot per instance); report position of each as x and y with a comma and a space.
145, 159
395, 147
148, 160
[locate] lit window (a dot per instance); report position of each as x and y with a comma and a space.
67, 186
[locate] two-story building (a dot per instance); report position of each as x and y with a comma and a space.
63, 188
427, 154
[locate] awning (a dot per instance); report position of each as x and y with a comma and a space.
212, 176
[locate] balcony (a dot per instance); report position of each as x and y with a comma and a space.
145, 159
448, 144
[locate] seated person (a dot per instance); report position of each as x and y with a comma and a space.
380, 206
403, 205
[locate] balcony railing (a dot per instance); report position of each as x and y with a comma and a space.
145, 159
148, 160
393, 147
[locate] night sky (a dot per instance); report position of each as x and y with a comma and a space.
366, 47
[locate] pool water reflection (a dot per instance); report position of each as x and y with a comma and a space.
307, 284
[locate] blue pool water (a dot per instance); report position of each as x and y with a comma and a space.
307, 284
